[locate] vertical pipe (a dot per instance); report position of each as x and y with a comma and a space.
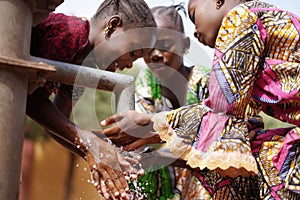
15, 32
15, 23
125, 97
13, 89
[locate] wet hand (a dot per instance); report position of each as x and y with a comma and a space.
109, 182
143, 141
128, 127
110, 170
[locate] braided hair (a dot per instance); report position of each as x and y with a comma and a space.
134, 13
171, 13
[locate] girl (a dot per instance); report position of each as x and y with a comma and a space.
255, 69
71, 39
167, 84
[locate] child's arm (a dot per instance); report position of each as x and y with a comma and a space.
107, 163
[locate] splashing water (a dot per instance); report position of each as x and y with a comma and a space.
136, 191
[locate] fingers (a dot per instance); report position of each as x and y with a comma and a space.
99, 184
99, 178
111, 131
154, 139
113, 183
111, 120
132, 166
119, 181
90, 159
104, 191
141, 142
99, 133
135, 145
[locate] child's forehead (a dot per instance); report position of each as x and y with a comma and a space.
191, 3
199, 4
163, 21
169, 32
169, 22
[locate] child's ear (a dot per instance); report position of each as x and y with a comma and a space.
113, 23
187, 44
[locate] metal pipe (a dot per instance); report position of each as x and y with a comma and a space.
125, 98
70, 74
15, 22
13, 87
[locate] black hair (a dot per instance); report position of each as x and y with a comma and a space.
134, 13
171, 13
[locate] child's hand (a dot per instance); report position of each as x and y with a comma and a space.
37, 82
129, 126
143, 141
110, 170
109, 182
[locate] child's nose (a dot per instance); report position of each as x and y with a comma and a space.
128, 65
156, 55
195, 33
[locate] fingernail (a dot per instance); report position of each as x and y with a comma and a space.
133, 176
103, 122
106, 196
123, 194
126, 189
117, 194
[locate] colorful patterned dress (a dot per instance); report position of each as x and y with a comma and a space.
62, 38
256, 68
149, 99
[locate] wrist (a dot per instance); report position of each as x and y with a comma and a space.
85, 141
